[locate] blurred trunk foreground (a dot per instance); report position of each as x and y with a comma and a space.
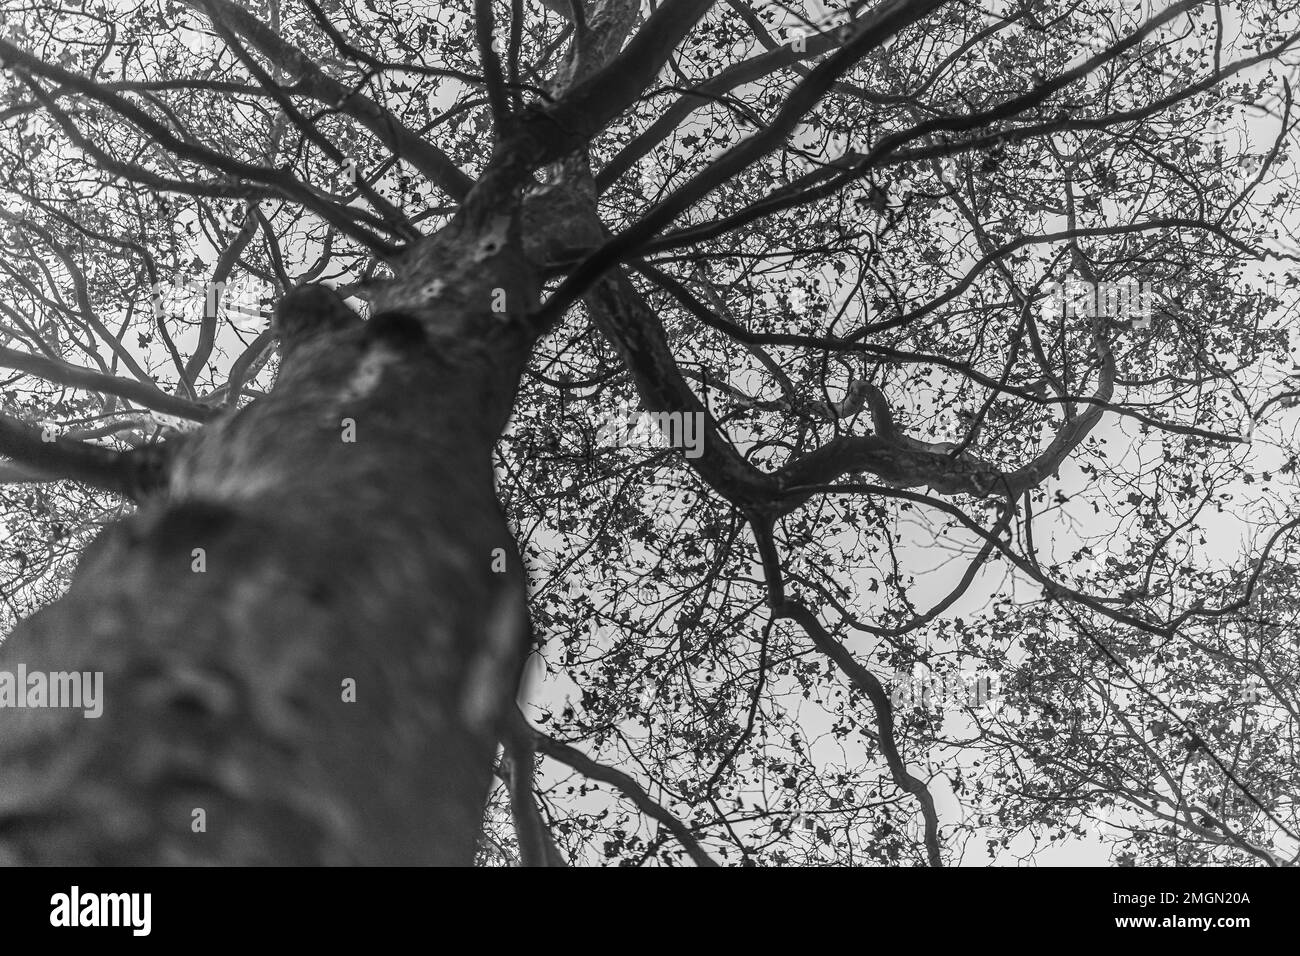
310, 638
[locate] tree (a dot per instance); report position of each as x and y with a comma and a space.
727, 369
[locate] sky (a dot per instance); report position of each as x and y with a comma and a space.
1227, 537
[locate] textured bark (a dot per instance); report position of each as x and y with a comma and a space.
326, 560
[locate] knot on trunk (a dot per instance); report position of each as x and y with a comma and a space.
309, 311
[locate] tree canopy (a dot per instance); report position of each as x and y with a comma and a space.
980, 312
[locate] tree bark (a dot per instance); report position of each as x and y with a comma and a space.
341, 532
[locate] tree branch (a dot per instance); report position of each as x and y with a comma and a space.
867, 683
400, 139
133, 474
628, 787
74, 376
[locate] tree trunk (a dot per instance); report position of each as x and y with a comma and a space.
308, 644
